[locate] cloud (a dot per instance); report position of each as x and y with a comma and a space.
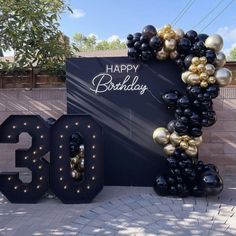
115, 37
77, 13
228, 33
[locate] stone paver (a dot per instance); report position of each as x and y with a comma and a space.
123, 211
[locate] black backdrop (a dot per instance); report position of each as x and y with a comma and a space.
128, 118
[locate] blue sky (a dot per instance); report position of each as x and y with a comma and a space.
106, 18
109, 19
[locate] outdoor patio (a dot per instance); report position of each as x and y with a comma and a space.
124, 211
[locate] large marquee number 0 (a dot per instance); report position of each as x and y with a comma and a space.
56, 141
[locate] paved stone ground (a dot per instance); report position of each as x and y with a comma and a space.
124, 211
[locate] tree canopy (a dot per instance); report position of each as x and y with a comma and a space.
90, 43
31, 29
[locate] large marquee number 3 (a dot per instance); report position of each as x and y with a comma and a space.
56, 174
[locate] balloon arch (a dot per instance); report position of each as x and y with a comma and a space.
199, 58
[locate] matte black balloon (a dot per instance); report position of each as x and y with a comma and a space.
137, 45
202, 37
129, 43
170, 180
188, 112
172, 162
191, 35
146, 55
184, 45
184, 192
177, 172
184, 102
195, 132
170, 98
197, 191
198, 49
206, 105
156, 43
211, 56
149, 31
180, 128
211, 182
133, 53
171, 126
184, 120
179, 179
161, 186
144, 39
144, 47
188, 60
130, 37
179, 112
194, 119
173, 190
213, 90
193, 91
180, 63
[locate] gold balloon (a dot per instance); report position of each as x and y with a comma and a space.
198, 140
173, 54
185, 138
210, 69
161, 55
193, 79
192, 142
203, 60
214, 42
204, 84
179, 33
169, 149
220, 59
160, 33
75, 174
211, 80
167, 27
200, 68
203, 76
193, 68
74, 160
175, 139
185, 75
183, 145
167, 36
191, 151
223, 76
170, 44
161, 135
195, 61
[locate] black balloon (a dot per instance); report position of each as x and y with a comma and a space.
184, 102
133, 53
171, 126
129, 43
156, 43
170, 98
181, 128
202, 37
210, 56
188, 60
184, 45
191, 35
149, 31
161, 186
130, 37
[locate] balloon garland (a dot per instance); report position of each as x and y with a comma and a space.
199, 58
76, 156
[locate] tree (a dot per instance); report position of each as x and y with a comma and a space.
232, 55
90, 43
31, 29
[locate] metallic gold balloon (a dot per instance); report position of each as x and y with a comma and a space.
167, 36
220, 59
167, 27
204, 84
211, 80
204, 76
161, 55
193, 79
191, 151
160, 33
74, 160
185, 138
183, 145
195, 61
198, 140
173, 54
210, 69
193, 68
200, 68
161, 135
170, 44
214, 42
179, 33
175, 139
192, 142
223, 76
185, 75
203, 60
169, 149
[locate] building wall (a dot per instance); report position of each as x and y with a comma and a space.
219, 146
